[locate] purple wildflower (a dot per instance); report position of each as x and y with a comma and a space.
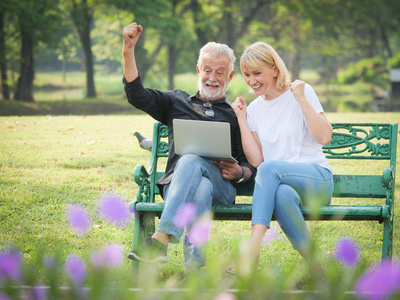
76, 269
4, 296
114, 210
380, 282
38, 293
108, 256
10, 265
78, 218
271, 235
199, 233
347, 252
49, 262
186, 215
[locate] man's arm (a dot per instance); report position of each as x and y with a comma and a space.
131, 35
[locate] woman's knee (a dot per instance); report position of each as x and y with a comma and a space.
286, 196
270, 167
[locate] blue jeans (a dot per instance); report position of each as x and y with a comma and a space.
195, 180
281, 187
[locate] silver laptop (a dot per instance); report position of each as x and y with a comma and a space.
211, 140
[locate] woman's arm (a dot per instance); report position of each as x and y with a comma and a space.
318, 124
251, 143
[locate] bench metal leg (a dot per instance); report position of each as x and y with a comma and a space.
144, 229
387, 238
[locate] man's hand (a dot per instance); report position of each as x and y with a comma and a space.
131, 35
229, 170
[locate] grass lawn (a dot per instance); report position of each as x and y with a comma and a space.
49, 162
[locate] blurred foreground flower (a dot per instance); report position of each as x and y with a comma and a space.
38, 293
380, 282
114, 210
200, 232
49, 262
3, 296
111, 256
225, 296
76, 269
271, 235
78, 219
347, 252
186, 215
10, 265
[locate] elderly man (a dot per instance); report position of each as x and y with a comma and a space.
188, 178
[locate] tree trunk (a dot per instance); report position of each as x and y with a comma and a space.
5, 89
295, 62
197, 13
171, 65
82, 16
24, 89
88, 59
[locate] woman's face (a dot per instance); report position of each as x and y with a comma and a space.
262, 80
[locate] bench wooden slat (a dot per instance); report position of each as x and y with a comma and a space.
243, 212
360, 186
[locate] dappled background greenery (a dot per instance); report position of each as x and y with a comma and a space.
345, 48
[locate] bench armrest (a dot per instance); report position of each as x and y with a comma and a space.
139, 173
387, 177
141, 177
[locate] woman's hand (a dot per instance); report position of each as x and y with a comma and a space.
240, 107
297, 88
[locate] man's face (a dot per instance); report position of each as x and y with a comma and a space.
214, 77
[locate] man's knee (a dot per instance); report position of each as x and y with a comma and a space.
204, 190
188, 160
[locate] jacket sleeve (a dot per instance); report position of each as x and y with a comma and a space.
154, 102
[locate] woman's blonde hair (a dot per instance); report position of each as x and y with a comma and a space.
256, 54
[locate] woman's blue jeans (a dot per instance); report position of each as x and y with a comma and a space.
195, 180
281, 187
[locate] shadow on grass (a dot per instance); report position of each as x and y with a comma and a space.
54, 108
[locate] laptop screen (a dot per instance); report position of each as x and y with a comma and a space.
211, 140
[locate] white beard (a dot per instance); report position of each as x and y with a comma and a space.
209, 94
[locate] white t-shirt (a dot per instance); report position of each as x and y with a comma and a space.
282, 128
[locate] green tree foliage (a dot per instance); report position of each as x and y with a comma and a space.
371, 70
325, 35
106, 35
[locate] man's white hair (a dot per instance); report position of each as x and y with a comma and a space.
217, 49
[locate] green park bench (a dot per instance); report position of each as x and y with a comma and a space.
360, 142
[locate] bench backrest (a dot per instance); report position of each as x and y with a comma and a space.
362, 141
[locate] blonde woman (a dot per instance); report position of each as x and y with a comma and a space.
283, 131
